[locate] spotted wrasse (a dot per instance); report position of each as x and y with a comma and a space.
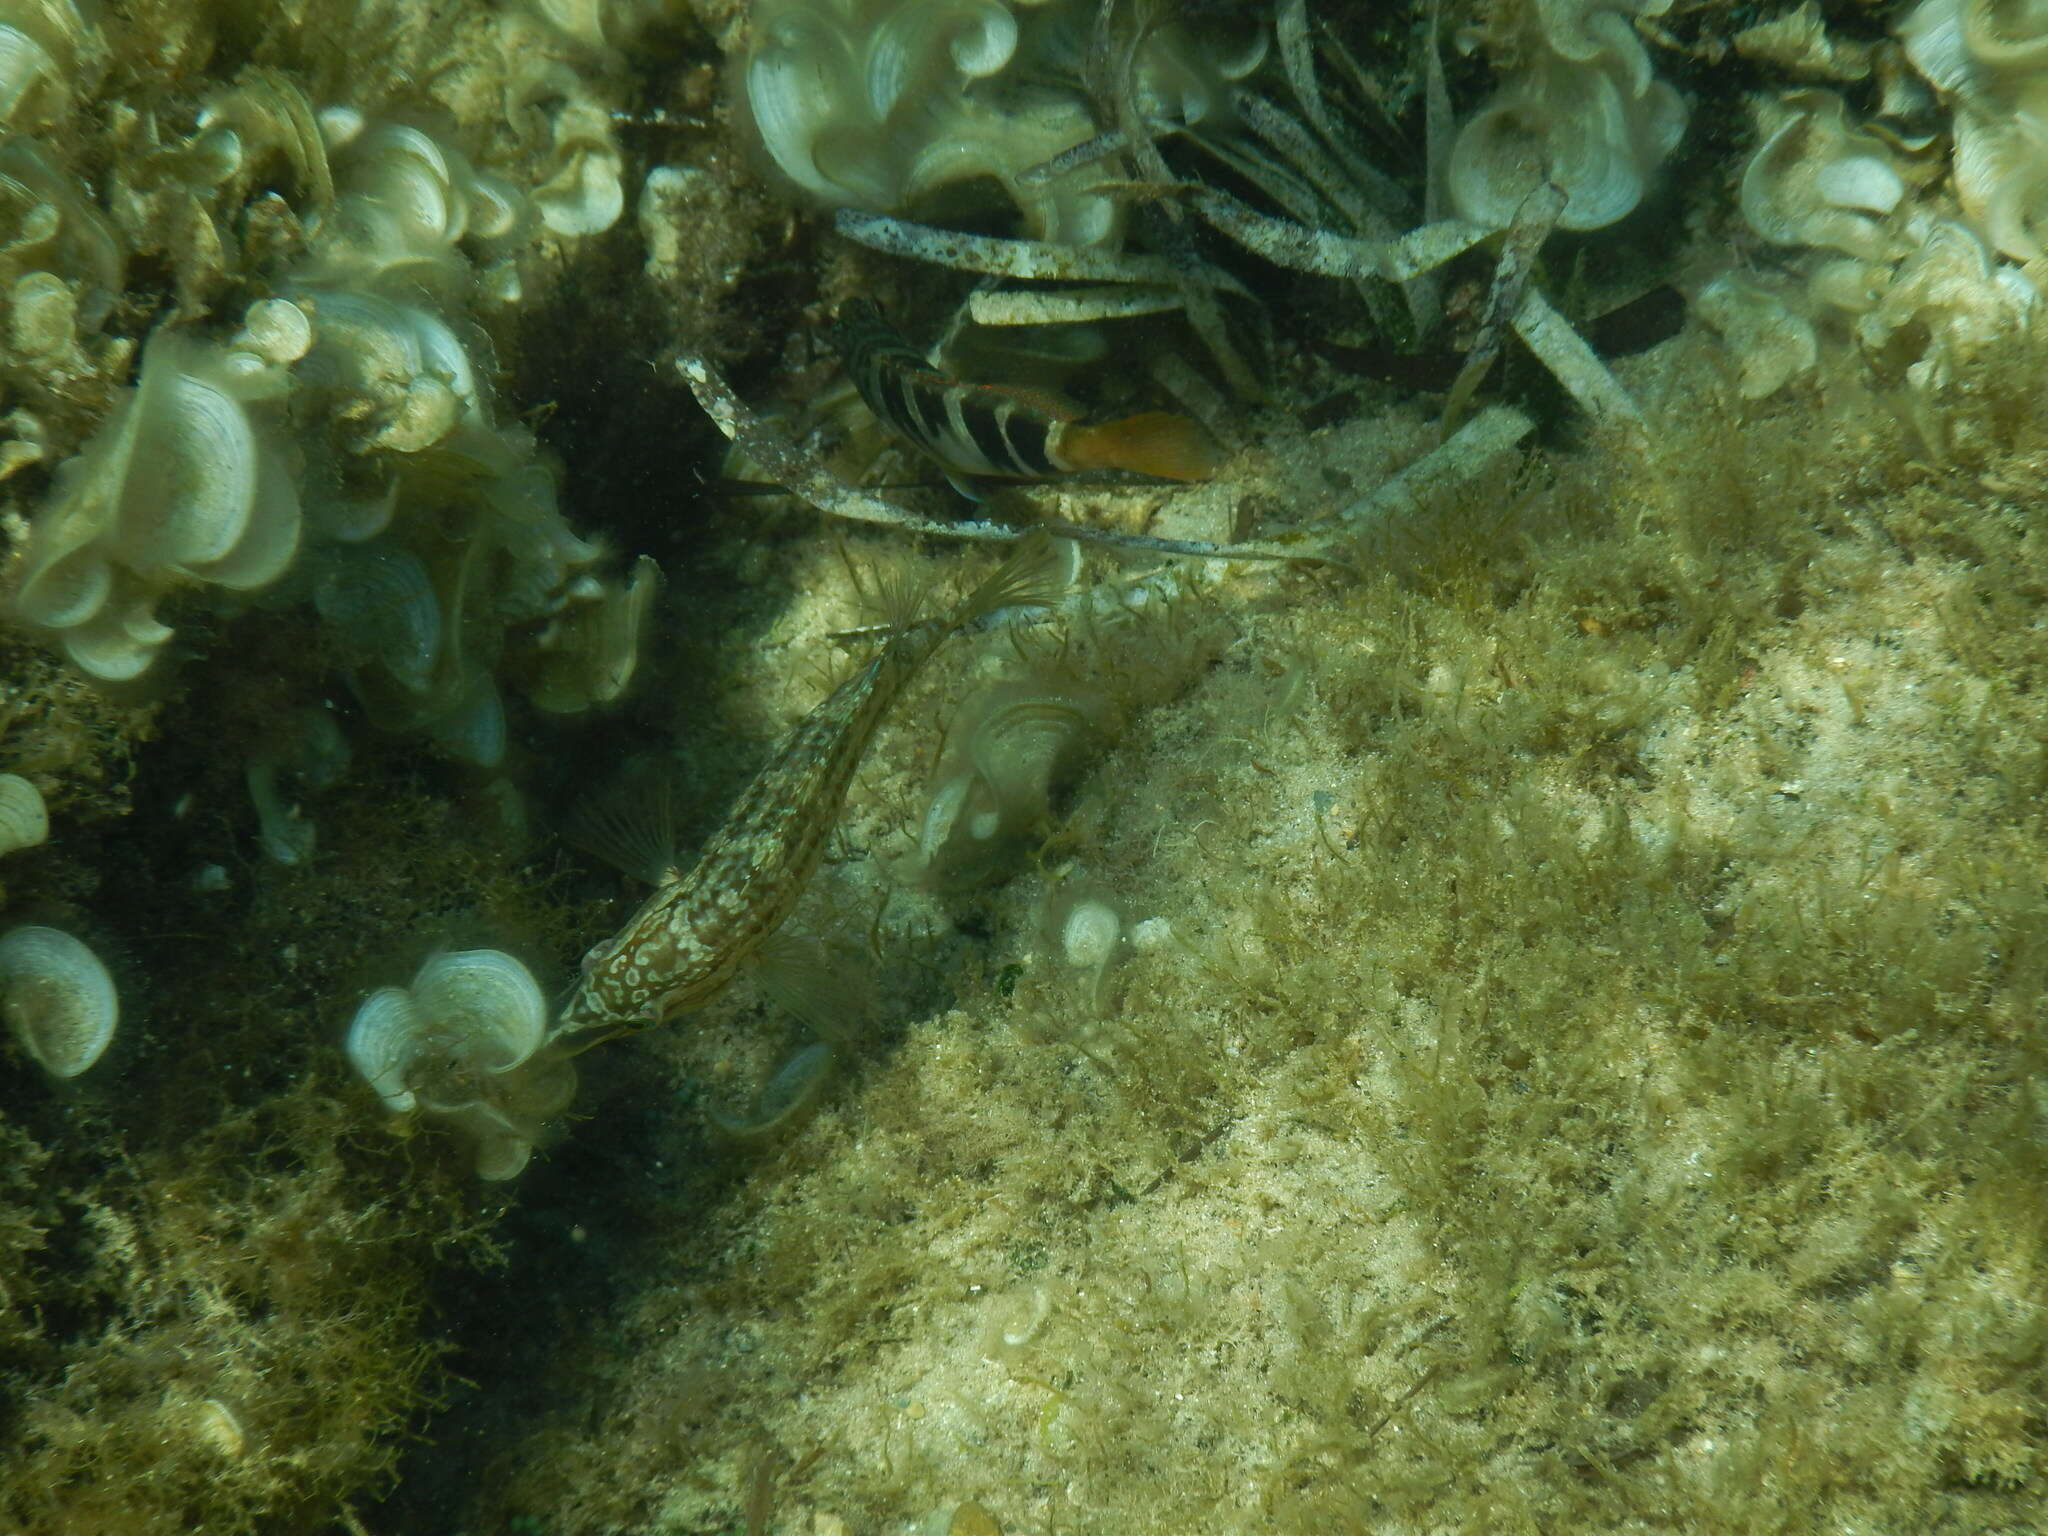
688, 938
1002, 432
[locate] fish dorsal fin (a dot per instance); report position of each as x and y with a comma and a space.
920, 372
1032, 398
632, 827
1048, 403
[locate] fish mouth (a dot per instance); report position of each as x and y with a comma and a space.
581, 1014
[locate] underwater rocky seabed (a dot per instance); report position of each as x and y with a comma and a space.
1578, 1064
1592, 1080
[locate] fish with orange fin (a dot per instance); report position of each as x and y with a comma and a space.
979, 432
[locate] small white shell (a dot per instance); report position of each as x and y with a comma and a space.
794, 81
1152, 935
1089, 934
1598, 143
494, 206
119, 643
1999, 175
1819, 180
580, 19
1936, 39
440, 351
618, 651
985, 45
44, 318
877, 107
404, 172
340, 127
218, 1429
24, 443
1797, 42
215, 154
1954, 294
584, 195
980, 35
271, 540
24, 820
66, 590
501, 1157
1772, 344
276, 330
1860, 181
381, 1040
189, 493
942, 814
24, 65
176, 483
1022, 741
352, 519
452, 1047
427, 413
381, 600
55, 207
592, 651
486, 998
57, 998
498, 284
1848, 284
318, 751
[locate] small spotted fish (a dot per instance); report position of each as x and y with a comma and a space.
688, 938
1004, 432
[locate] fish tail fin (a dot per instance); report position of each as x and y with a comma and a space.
1037, 571
1155, 443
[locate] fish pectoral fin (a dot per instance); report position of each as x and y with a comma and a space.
569, 1043
632, 827
1036, 574
973, 487
1156, 443
796, 975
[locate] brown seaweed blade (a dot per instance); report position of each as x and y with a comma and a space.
1326, 254
1112, 81
1030, 259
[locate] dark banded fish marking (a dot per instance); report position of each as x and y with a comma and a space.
985, 430
1000, 432
1028, 438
